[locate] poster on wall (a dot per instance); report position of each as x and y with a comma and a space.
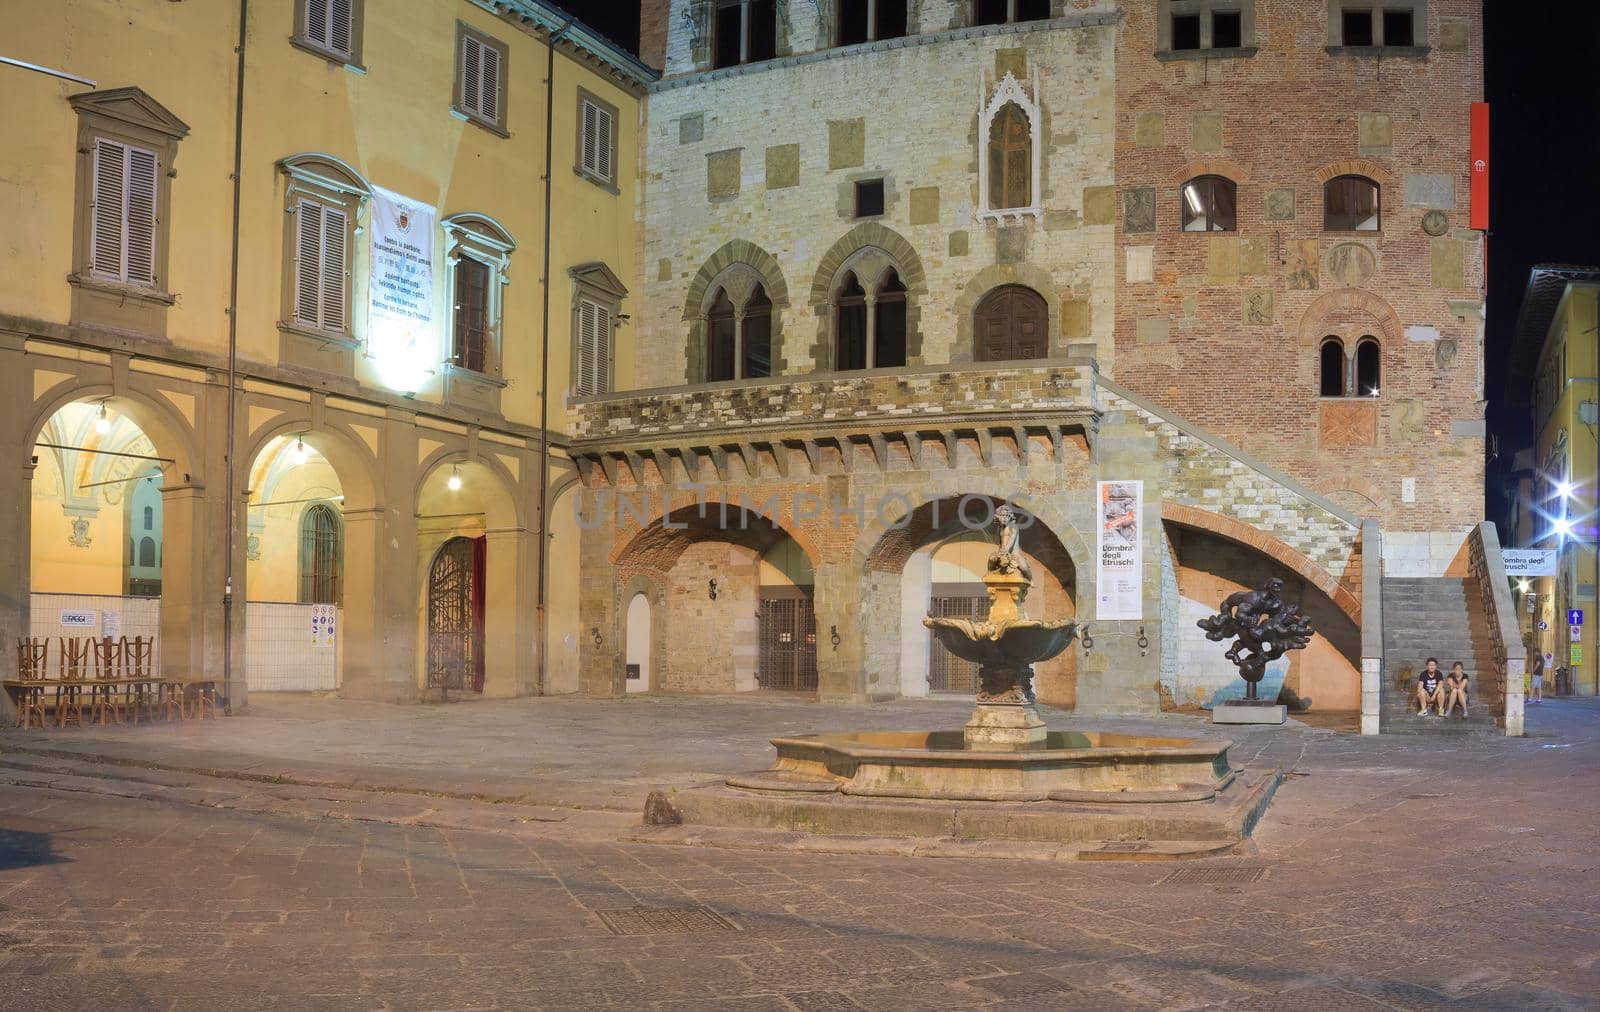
1118, 555
111, 624
402, 340
322, 624
75, 619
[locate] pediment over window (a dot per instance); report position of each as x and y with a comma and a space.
598, 276
333, 173
132, 107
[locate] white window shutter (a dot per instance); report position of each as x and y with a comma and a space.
334, 268
308, 264
341, 26
602, 143
471, 76
586, 343
589, 160
316, 26
489, 107
141, 217
109, 194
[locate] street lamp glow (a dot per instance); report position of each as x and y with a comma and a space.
1564, 489
453, 483
102, 424
1563, 527
1522, 585
301, 454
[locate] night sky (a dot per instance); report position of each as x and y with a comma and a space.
1543, 86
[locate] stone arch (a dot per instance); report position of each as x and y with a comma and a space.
354, 463
1314, 322
495, 484
1254, 538
167, 430
869, 233
996, 276
656, 546
1377, 501
744, 264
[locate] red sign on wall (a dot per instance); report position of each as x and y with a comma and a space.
1480, 166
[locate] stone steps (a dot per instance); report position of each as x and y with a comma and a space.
1432, 617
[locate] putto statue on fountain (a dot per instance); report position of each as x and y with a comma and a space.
1266, 627
1008, 558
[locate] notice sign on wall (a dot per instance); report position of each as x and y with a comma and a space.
79, 619
322, 624
401, 336
1118, 555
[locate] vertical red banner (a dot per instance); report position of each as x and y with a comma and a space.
1480, 166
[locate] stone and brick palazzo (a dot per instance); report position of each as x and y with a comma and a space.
1010, 251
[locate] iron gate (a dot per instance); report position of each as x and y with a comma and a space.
946, 671
455, 616
788, 644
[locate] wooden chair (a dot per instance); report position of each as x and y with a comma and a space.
32, 659
107, 699
74, 668
205, 700
144, 693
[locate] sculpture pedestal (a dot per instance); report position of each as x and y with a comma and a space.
1249, 712
1004, 727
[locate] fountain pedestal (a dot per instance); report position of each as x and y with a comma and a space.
1005, 717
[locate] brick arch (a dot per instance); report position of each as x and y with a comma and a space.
1211, 167
1251, 537
737, 251
656, 546
874, 234
1356, 167
1343, 300
1382, 502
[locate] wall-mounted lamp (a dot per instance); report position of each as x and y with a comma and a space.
713, 589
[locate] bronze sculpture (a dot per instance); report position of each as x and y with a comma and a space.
1266, 627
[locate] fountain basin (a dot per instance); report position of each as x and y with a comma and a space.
1064, 766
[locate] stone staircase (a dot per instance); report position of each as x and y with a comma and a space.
1435, 617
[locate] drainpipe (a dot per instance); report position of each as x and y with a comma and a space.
541, 604
233, 366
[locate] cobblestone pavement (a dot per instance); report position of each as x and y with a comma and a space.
1388, 873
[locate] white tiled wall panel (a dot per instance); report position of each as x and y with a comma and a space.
286, 650
129, 616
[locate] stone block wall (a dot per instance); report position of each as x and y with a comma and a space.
769, 155
1224, 328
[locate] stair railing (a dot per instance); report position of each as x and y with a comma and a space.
1488, 570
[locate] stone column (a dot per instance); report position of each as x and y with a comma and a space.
185, 536
872, 331
600, 665
16, 508
738, 342
1371, 626
507, 637
841, 676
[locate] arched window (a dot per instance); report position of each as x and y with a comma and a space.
1010, 160
149, 518
1210, 204
1351, 204
870, 21
850, 324
755, 334
321, 550
1010, 323
147, 553
720, 338
1369, 367
1332, 367
888, 338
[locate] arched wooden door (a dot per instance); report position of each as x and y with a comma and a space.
455, 615
1011, 323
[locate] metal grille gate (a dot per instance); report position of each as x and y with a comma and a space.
455, 628
788, 644
946, 671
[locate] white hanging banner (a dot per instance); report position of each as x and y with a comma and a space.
401, 337
1119, 556
1529, 561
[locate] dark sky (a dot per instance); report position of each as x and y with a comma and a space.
1542, 80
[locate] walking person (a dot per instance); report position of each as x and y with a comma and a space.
1536, 682
1455, 690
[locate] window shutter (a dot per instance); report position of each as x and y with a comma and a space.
333, 269
602, 350
316, 26
587, 341
308, 264
341, 26
602, 143
105, 238
470, 74
489, 64
141, 218
589, 129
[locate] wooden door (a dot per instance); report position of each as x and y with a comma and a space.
1011, 323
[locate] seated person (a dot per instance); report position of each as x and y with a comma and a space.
1430, 688
1455, 690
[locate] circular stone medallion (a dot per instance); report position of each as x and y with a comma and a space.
1436, 223
1352, 264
